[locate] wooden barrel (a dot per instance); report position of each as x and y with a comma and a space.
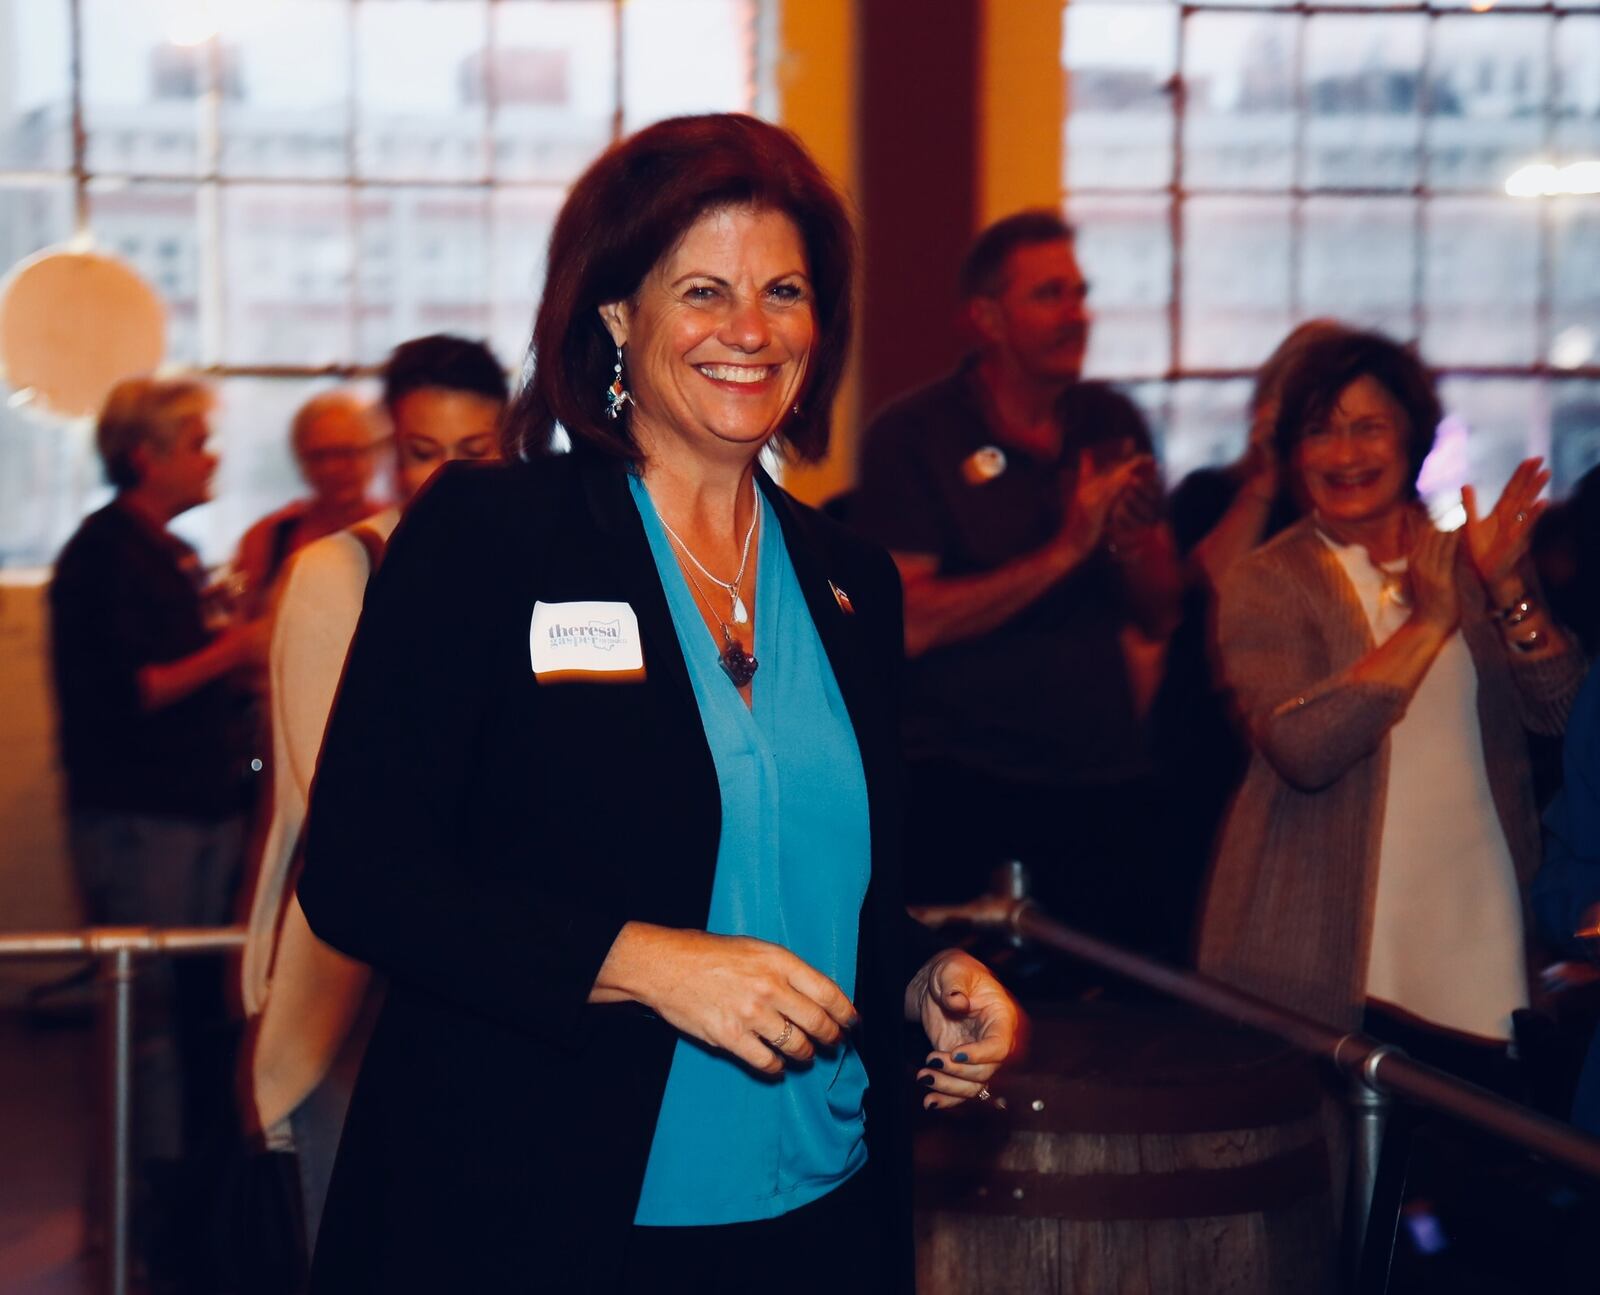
1138, 1150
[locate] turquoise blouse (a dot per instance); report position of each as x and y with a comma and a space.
730, 1145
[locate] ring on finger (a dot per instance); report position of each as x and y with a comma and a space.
984, 1094
788, 1029
1521, 517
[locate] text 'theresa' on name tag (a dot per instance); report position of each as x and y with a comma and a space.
594, 641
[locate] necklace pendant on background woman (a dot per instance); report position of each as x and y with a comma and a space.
736, 663
740, 615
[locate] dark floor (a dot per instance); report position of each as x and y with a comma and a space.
47, 1109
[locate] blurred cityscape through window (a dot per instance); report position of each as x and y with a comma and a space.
308, 182
1236, 168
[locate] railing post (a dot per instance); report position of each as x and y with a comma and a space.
119, 1094
1369, 1115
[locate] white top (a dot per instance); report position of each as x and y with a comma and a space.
1447, 924
319, 603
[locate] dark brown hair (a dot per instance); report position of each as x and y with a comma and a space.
625, 213
1320, 373
983, 267
447, 361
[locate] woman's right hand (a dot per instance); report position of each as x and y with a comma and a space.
1431, 567
732, 992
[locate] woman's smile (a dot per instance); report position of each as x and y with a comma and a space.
740, 376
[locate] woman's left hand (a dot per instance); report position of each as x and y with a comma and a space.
1498, 541
972, 1023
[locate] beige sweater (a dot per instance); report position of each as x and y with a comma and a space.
1288, 914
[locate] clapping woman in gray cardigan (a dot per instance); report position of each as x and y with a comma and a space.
1377, 852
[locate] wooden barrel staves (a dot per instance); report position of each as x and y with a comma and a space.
1139, 1151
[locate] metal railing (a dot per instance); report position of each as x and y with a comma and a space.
115, 948
1376, 1070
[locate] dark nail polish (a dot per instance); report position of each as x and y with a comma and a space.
961, 1057
925, 1080
934, 1063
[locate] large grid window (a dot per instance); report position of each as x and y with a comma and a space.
308, 182
1237, 167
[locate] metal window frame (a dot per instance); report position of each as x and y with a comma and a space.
1177, 193
209, 182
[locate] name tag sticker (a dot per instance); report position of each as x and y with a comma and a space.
594, 641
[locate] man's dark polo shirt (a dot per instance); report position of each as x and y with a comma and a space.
127, 594
1044, 699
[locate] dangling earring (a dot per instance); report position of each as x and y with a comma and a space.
617, 395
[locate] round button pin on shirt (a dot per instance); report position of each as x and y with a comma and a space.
983, 465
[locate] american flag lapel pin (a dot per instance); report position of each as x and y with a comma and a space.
843, 599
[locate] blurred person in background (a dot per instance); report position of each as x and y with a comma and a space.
1371, 867
1023, 509
1566, 893
610, 794
156, 742
446, 397
1566, 547
1218, 515
335, 447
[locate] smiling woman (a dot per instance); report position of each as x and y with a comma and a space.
640, 904
1372, 862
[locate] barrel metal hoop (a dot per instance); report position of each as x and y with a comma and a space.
1267, 1185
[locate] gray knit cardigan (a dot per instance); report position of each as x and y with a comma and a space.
1288, 913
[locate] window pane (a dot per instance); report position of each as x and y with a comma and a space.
1486, 98
1363, 77
1239, 125
1575, 282
1125, 247
286, 254
1574, 433
155, 228
554, 86
1236, 280
1505, 420
1119, 60
33, 217
49, 479
146, 68
250, 433
683, 56
1358, 261
36, 124
1577, 95
1152, 399
1483, 6
1482, 281
424, 266
289, 113
522, 221
421, 102
1210, 424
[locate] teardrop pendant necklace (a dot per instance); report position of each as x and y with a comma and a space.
740, 615
736, 663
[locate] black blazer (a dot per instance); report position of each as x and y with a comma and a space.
481, 838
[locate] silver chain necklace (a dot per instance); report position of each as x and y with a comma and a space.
736, 663
741, 615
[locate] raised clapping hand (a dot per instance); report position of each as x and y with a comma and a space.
972, 1023
1094, 491
1496, 543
